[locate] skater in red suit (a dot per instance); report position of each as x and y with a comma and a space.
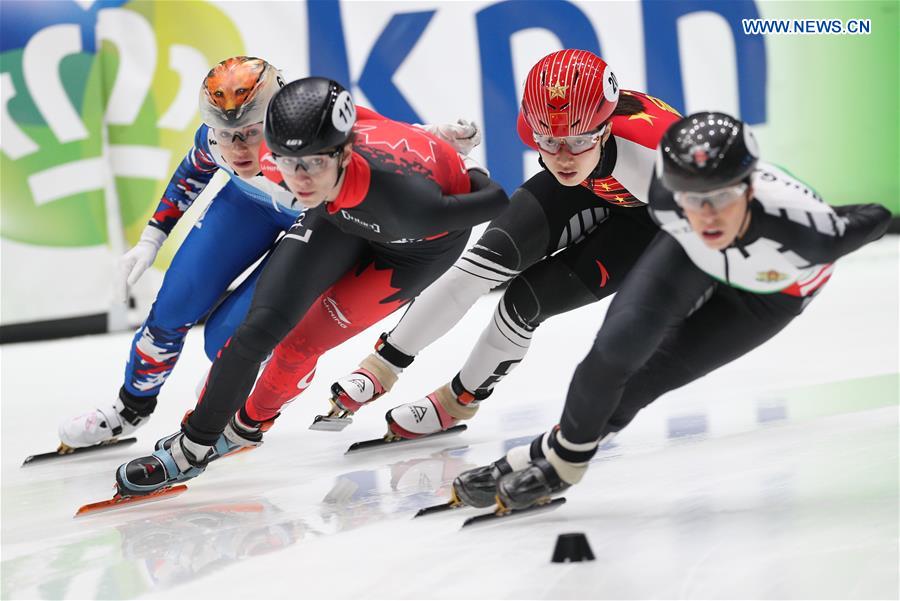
389, 208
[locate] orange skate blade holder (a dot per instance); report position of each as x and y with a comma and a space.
238, 451
119, 501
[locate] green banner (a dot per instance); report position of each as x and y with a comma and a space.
833, 102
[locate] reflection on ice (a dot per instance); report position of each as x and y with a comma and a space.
178, 545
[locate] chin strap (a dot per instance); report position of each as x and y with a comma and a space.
337, 180
736, 242
745, 219
340, 173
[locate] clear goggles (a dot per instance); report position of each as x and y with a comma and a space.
576, 144
313, 164
249, 135
717, 199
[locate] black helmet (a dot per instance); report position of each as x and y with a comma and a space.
706, 151
309, 116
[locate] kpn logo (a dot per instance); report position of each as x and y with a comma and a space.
74, 73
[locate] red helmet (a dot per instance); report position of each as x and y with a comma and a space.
569, 92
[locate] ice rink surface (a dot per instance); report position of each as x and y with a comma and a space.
774, 477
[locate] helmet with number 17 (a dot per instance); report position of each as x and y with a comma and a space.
568, 93
309, 116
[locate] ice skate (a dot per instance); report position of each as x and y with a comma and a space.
534, 485
67, 451
239, 437
393, 440
349, 394
175, 461
105, 425
478, 487
119, 500
439, 411
503, 513
236, 438
156, 476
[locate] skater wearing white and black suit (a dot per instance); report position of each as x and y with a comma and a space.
744, 248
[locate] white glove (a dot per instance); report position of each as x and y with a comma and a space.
463, 135
136, 261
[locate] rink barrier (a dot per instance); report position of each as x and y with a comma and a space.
54, 328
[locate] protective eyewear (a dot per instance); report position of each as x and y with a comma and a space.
576, 144
312, 164
717, 199
250, 135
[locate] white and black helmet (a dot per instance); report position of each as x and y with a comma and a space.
706, 151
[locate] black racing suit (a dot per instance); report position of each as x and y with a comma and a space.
686, 309
401, 219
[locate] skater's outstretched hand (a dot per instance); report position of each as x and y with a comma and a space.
463, 135
136, 261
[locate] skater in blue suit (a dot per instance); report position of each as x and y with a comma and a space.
239, 226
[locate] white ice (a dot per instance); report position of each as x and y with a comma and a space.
774, 477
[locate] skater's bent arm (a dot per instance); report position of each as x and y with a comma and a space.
851, 227
190, 178
863, 224
433, 213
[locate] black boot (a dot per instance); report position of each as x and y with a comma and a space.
478, 487
534, 485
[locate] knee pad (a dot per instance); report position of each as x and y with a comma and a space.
497, 246
522, 305
545, 290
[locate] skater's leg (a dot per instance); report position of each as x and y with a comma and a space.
307, 261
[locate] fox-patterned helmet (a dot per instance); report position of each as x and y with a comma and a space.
236, 92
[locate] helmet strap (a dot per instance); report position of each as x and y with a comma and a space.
603, 168
340, 173
746, 219
340, 169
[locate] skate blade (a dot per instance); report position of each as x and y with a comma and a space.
328, 423
335, 420
453, 503
392, 440
67, 451
119, 501
503, 513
